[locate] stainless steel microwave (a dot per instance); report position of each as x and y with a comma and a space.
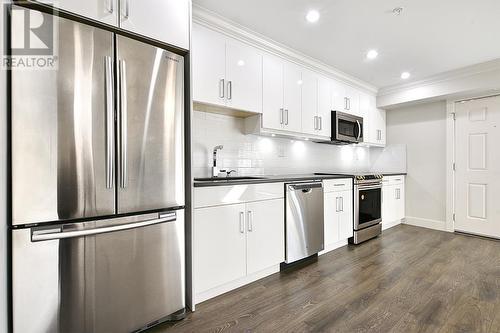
346, 128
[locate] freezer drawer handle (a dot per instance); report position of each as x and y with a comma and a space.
40, 235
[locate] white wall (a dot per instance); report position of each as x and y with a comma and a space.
423, 129
256, 155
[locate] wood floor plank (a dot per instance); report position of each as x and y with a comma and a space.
407, 280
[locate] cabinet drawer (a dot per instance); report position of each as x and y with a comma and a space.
393, 180
232, 194
334, 185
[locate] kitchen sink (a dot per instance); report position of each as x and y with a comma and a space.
219, 179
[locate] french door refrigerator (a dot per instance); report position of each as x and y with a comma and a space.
97, 185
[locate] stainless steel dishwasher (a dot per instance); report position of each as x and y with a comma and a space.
304, 220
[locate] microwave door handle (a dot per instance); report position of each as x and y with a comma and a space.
359, 130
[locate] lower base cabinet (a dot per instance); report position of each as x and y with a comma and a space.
393, 200
338, 214
236, 240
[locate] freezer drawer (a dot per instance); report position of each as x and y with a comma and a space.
101, 276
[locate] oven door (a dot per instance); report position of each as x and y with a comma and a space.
367, 206
347, 128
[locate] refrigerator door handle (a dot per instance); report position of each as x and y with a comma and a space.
123, 124
110, 135
45, 235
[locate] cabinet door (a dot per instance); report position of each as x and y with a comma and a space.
367, 111
388, 204
292, 97
380, 126
164, 20
400, 201
324, 107
243, 76
346, 216
338, 96
310, 120
219, 246
352, 96
265, 234
209, 69
332, 220
105, 11
272, 94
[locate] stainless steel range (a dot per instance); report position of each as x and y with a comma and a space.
367, 207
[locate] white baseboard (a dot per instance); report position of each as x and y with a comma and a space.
331, 247
387, 225
211, 293
425, 223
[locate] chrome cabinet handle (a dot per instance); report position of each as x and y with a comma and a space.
286, 116
281, 116
110, 6
110, 128
41, 235
242, 222
345, 103
123, 123
341, 204
320, 123
337, 202
315, 122
229, 89
221, 88
127, 9
250, 220
348, 103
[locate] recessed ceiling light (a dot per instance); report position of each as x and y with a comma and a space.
405, 75
241, 63
312, 16
372, 54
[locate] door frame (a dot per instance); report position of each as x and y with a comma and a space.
451, 156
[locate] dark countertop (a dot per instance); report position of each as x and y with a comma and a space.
277, 179
269, 179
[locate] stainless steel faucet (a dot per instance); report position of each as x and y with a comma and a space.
215, 169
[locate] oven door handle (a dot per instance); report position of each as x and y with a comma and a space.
360, 188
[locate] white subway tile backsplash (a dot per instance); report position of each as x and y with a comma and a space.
256, 155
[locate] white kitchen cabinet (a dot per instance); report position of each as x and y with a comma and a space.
292, 97
310, 121
272, 97
265, 234
345, 98
373, 120
105, 11
282, 95
243, 76
220, 245
226, 72
324, 107
165, 20
338, 211
209, 66
393, 200
236, 240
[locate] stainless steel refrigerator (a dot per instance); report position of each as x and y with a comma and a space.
97, 185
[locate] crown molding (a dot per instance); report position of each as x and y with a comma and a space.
214, 21
456, 74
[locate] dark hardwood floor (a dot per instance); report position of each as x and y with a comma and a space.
408, 280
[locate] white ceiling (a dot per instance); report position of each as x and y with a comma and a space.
429, 37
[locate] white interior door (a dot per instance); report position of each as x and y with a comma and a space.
477, 132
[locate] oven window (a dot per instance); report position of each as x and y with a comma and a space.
370, 202
347, 128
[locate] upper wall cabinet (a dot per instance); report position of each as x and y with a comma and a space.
164, 20
316, 104
373, 120
282, 95
345, 98
226, 72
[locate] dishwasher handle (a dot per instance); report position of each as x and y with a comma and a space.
305, 187
41, 235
